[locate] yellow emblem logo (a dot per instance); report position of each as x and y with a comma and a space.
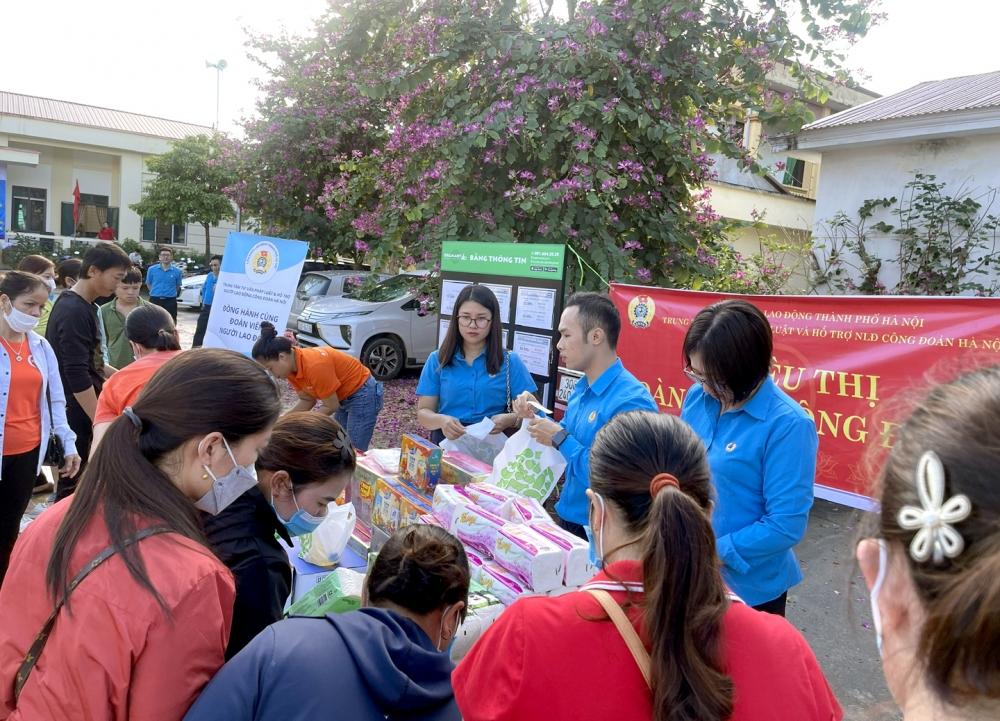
641, 310
261, 262
592, 417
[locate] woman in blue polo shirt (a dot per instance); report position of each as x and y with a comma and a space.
471, 376
761, 449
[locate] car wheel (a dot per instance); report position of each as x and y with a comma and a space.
385, 357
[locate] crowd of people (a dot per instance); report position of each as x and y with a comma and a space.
154, 587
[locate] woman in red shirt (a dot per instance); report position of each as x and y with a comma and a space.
341, 384
145, 629
683, 649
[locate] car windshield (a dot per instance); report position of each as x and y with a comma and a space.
395, 288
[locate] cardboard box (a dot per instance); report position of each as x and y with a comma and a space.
361, 490
397, 505
459, 469
419, 462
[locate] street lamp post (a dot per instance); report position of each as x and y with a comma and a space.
219, 67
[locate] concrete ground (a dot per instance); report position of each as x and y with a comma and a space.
830, 606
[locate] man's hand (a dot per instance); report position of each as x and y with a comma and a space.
543, 429
521, 407
452, 429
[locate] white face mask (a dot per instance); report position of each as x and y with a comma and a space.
19, 321
883, 566
227, 488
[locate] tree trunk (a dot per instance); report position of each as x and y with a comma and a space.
208, 242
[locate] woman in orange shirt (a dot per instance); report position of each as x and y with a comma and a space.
341, 383
32, 402
151, 333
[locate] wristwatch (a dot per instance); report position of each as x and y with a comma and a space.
559, 437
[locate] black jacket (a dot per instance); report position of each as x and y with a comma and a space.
366, 665
242, 536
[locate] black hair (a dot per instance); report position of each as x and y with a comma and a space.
163, 248
270, 345
124, 481
597, 311
15, 283
494, 339
36, 264
69, 268
151, 327
132, 275
104, 256
309, 447
420, 568
215, 257
734, 340
686, 598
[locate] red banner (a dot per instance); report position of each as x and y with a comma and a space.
850, 361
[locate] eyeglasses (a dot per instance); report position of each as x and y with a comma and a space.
467, 321
694, 377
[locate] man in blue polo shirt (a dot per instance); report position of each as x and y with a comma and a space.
589, 329
164, 283
207, 296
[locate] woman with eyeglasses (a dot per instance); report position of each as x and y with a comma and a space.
471, 376
340, 384
761, 448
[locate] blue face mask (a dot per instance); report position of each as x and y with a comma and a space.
301, 522
596, 549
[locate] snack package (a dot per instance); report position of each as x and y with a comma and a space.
534, 560
484, 609
361, 490
459, 469
429, 519
526, 510
577, 568
477, 528
339, 592
447, 501
419, 462
493, 499
397, 505
499, 583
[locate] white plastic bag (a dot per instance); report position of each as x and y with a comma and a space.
326, 544
527, 467
478, 442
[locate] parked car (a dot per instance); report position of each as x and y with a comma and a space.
324, 284
190, 296
381, 325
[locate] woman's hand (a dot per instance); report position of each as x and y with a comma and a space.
452, 428
70, 467
503, 421
521, 407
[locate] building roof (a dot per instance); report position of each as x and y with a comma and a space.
61, 111
970, 92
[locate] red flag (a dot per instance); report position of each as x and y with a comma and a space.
76, 206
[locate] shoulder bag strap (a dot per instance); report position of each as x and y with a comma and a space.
627, 631
506, 363
52, 418
31, 658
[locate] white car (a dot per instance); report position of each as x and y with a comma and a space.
325, 284
381, 326
190, 296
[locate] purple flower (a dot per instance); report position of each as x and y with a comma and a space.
633, 245
543, 229
644, 274
361, 246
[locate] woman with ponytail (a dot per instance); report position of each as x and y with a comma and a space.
933, 563
114, 607
153, 340
656, 634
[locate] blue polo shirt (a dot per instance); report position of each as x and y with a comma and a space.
208, 290
163, 283
763, 461
589, 408
468, 392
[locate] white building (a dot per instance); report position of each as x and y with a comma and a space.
947, 128
47, 146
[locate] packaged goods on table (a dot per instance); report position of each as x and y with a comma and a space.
493, 499
477, 528
483, 609
495, 579
339, 592
534, 560
419, 462
577, 568
325, 545
459, 469
526, 510
397, 505
361, 490
448, 501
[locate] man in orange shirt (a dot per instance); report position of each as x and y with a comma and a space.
154, 340
341, 383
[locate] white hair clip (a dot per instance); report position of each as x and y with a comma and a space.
935, 538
